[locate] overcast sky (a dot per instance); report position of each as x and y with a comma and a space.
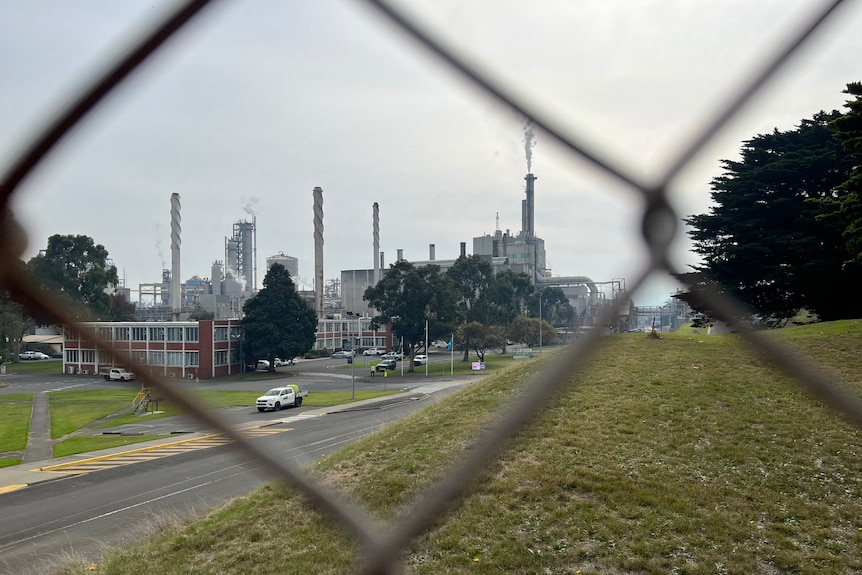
260, 101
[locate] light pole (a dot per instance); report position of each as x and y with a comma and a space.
540, 323
238, 336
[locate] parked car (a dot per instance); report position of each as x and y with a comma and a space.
283, 362
343, 354
420, 359
394, 355
262, 364
374, 351
386, 365
28, 355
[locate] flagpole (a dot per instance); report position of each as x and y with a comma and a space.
426, 348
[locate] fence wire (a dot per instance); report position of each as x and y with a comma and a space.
382, 544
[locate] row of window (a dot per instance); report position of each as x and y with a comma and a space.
169, 358
337, 326
143, 333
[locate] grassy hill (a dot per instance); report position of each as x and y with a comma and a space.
685, 454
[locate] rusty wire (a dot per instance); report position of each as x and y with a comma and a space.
382, 545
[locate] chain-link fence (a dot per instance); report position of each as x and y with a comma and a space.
659, 228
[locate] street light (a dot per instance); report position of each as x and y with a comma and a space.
540, 323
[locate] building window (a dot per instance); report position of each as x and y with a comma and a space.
175, 358
220, 334
192, 358
139, 357
88, 356
157, 334
156, 357
71, 334
367, 342
191, 334
122, 333
221, 357
105, 333
71, 356
175, 334
139, 334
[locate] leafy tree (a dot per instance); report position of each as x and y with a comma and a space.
762, 241
482, 337
526, 329
79, 269
472, 276
556, 308
277, 322
14, 324
845, 207
120, 309
406, 297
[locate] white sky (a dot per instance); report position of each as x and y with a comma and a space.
260, 101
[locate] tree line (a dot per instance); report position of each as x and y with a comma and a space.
468, 304
784, 233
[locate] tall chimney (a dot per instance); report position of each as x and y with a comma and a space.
382, 267
464, 249
318, 250
375, 226
400, 254
176, 241
431, 252
530, 205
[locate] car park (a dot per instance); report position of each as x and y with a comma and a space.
385, 365
374, 351
343, 354
421, 359
394, 355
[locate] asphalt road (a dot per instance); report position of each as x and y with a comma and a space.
82, 515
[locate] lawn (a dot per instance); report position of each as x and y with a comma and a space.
686, 454
74, 410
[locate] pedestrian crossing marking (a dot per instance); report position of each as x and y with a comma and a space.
158, 451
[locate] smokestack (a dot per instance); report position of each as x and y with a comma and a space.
176, 230
464, 249
382, 267
317, 193
432, 252
375, 225
400, 254
530, 213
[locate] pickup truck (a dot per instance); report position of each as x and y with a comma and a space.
118, 374
279, 397
374, 351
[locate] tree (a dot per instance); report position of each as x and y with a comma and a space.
472, 276
407, 297
482, 337
556, 308
79, 269
277, 322
845, 207
120, 308
14, 324
762, 241
526, 329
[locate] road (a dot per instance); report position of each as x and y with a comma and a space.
114, 503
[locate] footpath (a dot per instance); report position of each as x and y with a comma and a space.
38, 452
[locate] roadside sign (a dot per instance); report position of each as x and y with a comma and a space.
478, 366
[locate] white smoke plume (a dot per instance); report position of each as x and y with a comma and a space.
251, 206
529, 142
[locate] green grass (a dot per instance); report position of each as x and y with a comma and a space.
44, 366
684, 454
87, 443
75, 409
15, 410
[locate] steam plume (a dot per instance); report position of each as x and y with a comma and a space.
529, 142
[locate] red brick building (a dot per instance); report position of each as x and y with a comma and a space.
181, 349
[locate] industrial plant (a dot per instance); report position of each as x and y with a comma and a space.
233, 276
